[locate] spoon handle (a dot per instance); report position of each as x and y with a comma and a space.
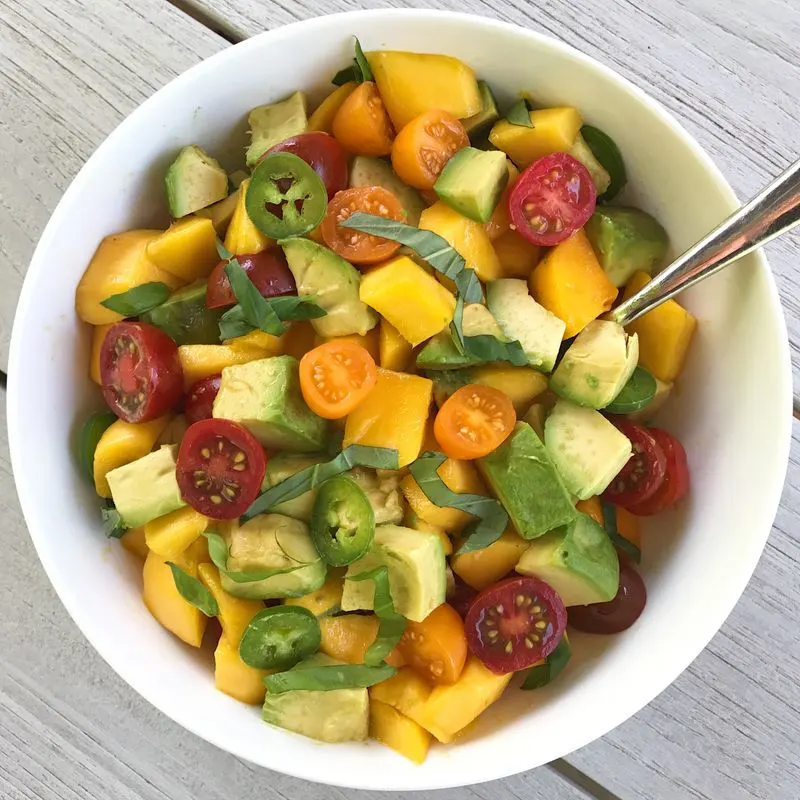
773, 212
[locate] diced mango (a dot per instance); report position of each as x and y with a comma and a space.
500, 220
235, 613
554, 131
592, 507
388, 726
122, 443
412, 83
197, 551
98, 335
629, 527
243, 238
468, 238
369, 341
170, 535
133, 541
299, 339
187, 249
221, 213
348, 636
521, 384
202, 360
393, 414
409, 297
412, 520
394, 350
517, 256
258, 340
407, 692
482, 568
664, 334
322, 118
325, 600
119, 264
570, 283
235, 678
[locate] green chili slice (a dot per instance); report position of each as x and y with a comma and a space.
280, 637
635, 395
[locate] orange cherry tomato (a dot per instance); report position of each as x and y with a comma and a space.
474, 421
361, 248
425, 145
362, 125
436, 648
335, 377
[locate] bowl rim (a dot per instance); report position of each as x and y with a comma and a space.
439, 779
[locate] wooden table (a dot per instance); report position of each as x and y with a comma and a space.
728, 729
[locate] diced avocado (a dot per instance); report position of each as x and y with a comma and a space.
367, 171
473, 181
267, 542
383, 493
626, 240
335, 285
477, 126
146, 488
586, 448
535, 417
283, 466
195, 180
597, 365
221, 213
340, 715
416, 564
264, 396
185, 318
238, 177
655, 405
578, 561
273, 123
522, 318
583, 153
524, 479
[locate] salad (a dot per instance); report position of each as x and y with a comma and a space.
364, 408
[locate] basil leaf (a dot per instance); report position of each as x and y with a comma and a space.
254, 308
519, 114
542, 674
361, 63
113, 526
89, 435
359, 71
490, 348
329, 678
635, 395
218, 552
393, 625
234, 322
605, 150
356, 455
492, 517
617, 539
346, 75
144, 297
192, 591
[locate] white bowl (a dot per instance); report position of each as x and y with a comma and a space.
732, 410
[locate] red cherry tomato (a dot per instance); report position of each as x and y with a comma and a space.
268, 270
644, 473
322, 153
462, 597
220, 468
676, 480
140, 371
200, 399
553, 198
515, 623
618, 614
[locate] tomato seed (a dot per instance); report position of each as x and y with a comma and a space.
215, 499
509, 648
205, 452
541, 625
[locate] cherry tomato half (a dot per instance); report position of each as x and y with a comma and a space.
268, 271
618, 614
676, 479
220, 468
473, 421
461, 597
140, 371
553, 198
644, 473
321, 152
515, 623
436, 648
355, 246
199, 401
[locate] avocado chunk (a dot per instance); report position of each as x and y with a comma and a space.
185, 318
522, 318
264, 396
273, 542
146, 488
578, 561
416, 564
194, 180
524, 479
383, 492
367, 171
586, 448
274, 123
472, 182
283, 466
597, 365
583, 153
477, 126
626, 240
335, 283
340, 715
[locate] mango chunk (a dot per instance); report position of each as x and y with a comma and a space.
170, 535
202, 360
235, 613
187, 249
570, 283
517, 256
243, 238
133, 541
521, 384
482, 568
369, 341
119, 264
325, 600
393, 414
664, 334
257, 340
409, 297
407, 692
299, 339
233, 677
348, 636
98, 335
322, 118
554, 131
413, 83
393, 350
388, 726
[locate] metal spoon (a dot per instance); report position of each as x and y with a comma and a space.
773, 212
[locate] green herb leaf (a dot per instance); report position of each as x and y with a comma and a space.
635, 395
519, 114
356, 455
254, 309
144, 297
88, 437
490, 348
218, 552
234, 322
617, 539
359, 71
329, 678
393, 625
492, 517
605, 150
542, 674
113, 526
192, 591
346, 75
361, 63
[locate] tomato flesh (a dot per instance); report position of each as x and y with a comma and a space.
436, 647
515, 623
268, 271
553, 198
676, 478
645, 472
618, 614
220, 468
140, 372
322, 153
199, 401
